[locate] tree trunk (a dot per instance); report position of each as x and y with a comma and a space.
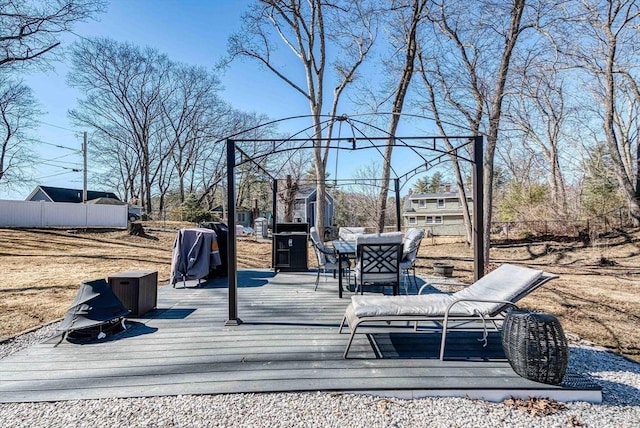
398, 104
494, 120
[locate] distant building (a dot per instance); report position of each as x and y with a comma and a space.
60, 194
304, 207
436, 213
244, 215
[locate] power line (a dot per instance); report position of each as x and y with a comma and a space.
53, 175
79, 169
57, 126
21, 180
56, 162
57, 145
58, 157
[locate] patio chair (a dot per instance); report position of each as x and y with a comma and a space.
410, 247
327, 258
350, 233
483, 301
378, 260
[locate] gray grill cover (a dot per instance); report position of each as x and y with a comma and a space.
195, 252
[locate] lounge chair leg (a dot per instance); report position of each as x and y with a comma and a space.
342, 325
317, 280
444, 336
346, 351
405, 278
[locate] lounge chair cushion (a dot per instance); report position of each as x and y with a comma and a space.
382, 306
506, 283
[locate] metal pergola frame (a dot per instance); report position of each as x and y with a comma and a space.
417, 144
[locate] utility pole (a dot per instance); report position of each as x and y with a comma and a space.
84, 179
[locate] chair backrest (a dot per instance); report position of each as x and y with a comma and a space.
350, 233
411, 244
317, 244
323, 253
378, 257
508, 283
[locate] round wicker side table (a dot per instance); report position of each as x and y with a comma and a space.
535, 345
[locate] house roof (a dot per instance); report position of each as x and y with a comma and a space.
305, 192
106, 201
61, 194
433, 195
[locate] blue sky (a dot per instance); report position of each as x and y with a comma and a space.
193, 32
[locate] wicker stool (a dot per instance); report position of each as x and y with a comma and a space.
535, 345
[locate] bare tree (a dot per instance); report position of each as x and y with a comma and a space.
29, 32
124, 172
540, 112
235, 124
465, 69
606, 52
192, 105
310, 29
124, 89
18, 114
29, 29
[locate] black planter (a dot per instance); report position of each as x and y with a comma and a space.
444, 269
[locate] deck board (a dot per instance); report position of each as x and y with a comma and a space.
288, 341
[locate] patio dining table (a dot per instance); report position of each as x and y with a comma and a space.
345, 250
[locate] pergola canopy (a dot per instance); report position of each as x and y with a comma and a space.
424, 153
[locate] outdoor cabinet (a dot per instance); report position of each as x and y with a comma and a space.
290, 247
136, 289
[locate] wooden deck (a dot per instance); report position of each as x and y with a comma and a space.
288, 341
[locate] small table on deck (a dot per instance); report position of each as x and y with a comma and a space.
345, 250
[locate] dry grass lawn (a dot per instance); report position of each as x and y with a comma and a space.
597, 296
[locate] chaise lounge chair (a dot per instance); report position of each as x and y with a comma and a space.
485, 300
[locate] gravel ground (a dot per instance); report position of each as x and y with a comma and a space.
618, 377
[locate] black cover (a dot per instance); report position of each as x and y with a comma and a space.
94, 305
222, 235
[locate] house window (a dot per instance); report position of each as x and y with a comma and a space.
242, 217
412, 220
434, 220
422, 203
440, 203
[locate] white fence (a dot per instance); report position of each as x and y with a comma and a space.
61, 214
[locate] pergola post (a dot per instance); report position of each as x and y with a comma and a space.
232, 267
396, 183
478, 209
274, 214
